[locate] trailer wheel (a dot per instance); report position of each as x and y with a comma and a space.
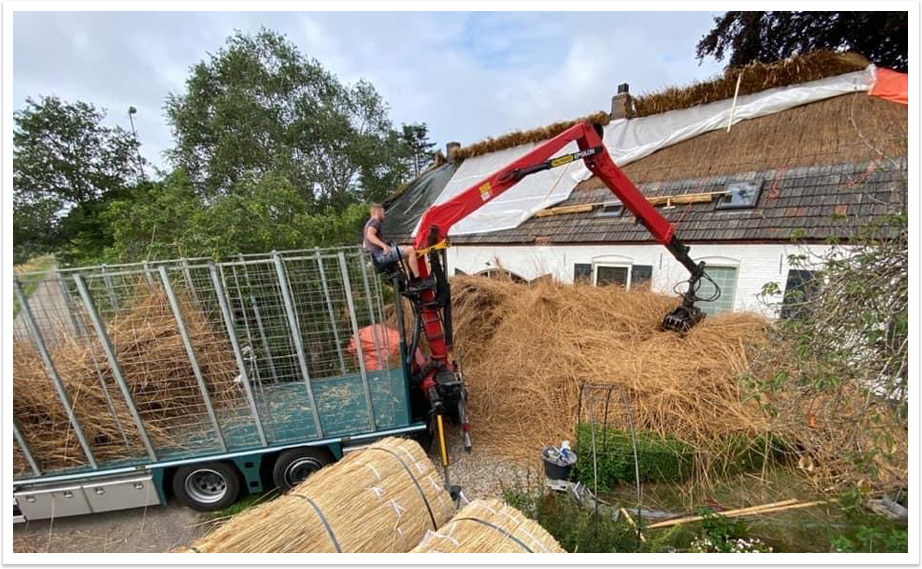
206, 487
293, 466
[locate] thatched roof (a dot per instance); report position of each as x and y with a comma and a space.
812, 158
840, 157
849, 128
755, 78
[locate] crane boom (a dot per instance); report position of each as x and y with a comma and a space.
439, 377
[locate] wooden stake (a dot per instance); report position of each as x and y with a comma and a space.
726, 514
736, 93
630, 520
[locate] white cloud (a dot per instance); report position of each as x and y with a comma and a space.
468, 75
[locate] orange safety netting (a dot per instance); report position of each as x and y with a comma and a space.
891, 85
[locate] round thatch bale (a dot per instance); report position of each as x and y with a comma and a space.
489, 526
380, 499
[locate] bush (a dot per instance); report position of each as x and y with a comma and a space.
574, 528
661, 459
870, 539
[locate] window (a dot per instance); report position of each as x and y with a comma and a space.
582, 272
740, 195
627, 276
725, 277
496, 273
801, 287
610, 209
641, 275
608, 274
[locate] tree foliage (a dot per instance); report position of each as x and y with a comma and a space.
64, 162
169, 219
835, 376
416, 138
258, 107
746, 37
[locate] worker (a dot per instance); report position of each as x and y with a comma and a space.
383, 252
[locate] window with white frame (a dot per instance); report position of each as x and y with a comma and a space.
725, 278
612, 274
624, 275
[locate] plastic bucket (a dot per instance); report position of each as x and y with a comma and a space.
554, 469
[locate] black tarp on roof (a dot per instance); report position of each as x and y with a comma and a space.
404, 210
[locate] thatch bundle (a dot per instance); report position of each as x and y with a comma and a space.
527, 349
489, 526
155, 366
380, 499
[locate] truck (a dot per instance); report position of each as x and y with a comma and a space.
200, 380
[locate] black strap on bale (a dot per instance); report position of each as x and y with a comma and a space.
323, 520
413, 478
499, 529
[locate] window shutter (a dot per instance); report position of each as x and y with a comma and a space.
801, 286
641, 275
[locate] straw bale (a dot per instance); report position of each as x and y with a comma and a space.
489, 526
371, 502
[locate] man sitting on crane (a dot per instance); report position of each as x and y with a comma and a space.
383, 252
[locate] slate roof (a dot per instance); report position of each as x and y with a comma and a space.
812, 203
821, 166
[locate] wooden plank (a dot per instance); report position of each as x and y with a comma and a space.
582, 208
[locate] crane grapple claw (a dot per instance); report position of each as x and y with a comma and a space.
682, 319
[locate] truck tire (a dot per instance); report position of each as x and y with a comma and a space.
206, 487
293, 466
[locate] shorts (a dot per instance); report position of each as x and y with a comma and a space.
396, 253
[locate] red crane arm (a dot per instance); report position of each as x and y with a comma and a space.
434, 304
439, 219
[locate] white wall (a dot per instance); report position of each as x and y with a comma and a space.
756, 264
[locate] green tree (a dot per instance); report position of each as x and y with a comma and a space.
259, 107
64, 159
416, 137
746, 37
171, 218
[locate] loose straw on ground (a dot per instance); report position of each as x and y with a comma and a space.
527, 349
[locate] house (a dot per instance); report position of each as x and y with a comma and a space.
745, 198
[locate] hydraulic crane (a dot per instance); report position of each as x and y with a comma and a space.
437, 379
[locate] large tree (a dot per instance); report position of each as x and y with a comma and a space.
416, 137
746, 37
258, 106
64, 160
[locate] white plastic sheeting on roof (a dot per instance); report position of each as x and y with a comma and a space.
627, 141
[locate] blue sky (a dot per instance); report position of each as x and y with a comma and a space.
467, 75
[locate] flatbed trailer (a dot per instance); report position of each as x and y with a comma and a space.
211, 379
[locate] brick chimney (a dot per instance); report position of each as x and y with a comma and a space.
622, 105
450, 148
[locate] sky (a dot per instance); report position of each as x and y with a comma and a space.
467, 75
